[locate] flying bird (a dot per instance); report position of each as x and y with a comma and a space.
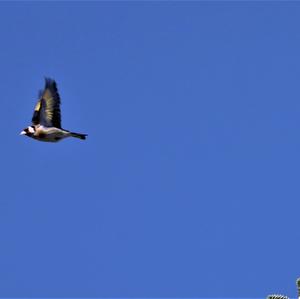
46, 119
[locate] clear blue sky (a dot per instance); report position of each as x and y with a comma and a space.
188, 184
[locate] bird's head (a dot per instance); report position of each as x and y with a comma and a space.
29, 131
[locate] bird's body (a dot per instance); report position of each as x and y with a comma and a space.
50, 134
46, 120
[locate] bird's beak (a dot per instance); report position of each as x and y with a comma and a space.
23, 133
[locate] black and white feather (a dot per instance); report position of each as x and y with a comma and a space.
298, 286
277, 296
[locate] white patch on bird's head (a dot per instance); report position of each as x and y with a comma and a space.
31, 130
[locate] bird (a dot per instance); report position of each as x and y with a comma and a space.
46, 119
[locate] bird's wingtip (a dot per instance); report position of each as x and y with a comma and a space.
49, 81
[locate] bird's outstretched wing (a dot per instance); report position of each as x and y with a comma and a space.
47, 109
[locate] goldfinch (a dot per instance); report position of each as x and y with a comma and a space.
46, 119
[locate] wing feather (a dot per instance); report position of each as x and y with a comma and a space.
47, 109
36, 113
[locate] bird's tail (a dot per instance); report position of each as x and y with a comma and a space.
78, 135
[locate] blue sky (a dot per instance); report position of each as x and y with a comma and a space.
188, 184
